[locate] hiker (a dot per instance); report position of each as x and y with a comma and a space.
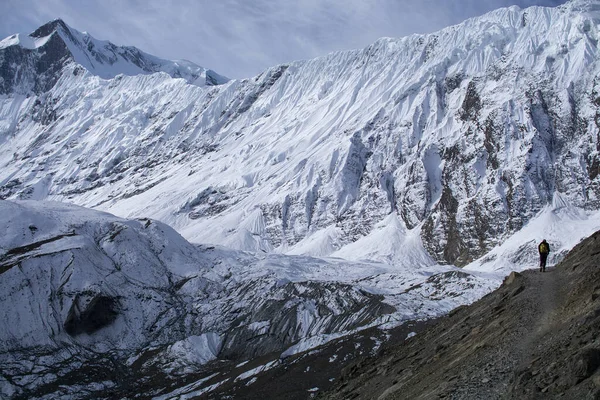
544, 249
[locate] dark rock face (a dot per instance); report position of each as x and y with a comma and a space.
87, 315
585, 364
49, 27
536, 337
25, 70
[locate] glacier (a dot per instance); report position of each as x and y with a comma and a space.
86, 295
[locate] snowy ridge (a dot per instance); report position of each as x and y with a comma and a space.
106, 60
23, 40
465, 134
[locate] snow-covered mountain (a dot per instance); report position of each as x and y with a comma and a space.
349, 187
464, 134
33, 63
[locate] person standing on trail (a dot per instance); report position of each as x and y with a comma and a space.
544, 249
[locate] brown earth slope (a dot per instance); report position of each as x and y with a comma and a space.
536, 337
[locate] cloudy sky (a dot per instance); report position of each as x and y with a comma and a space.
241, 38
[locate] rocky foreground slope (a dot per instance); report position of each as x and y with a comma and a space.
537, 336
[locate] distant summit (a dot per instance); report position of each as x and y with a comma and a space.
49, 28
32, 63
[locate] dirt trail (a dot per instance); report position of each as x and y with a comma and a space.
543, 293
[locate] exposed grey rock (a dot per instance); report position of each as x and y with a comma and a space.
87, 315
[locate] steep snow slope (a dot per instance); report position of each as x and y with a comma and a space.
86, 292
453, 141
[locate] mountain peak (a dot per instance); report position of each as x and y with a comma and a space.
50, 27
54, 45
